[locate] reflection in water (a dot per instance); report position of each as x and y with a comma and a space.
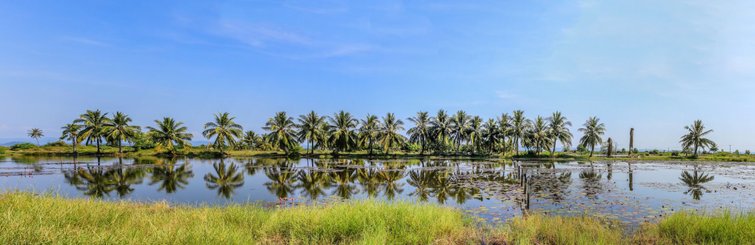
282, 178
123, 178
312, 182
591, 182
695, 182
343, 179
94, 181
171, 177
225, 179
631, 177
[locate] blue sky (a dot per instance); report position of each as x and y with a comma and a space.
652, 65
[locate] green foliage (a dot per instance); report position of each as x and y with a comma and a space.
3, 149
694, 228
143, 141
57, 143
23, 146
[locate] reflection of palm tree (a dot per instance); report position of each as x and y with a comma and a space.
695, 183
422, 181
170, 177
390, 177
312, 183
442, 186
225, 179
344, 180
282, 179
95, 182
590, 182
369, 179
123, 179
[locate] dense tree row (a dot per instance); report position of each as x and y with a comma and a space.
442, 133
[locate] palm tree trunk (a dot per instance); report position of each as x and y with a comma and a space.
592, 149
695, 150
98, 146
37, 141
74, 147
120, 148
370, 146
553, 152
422, 147
516, 146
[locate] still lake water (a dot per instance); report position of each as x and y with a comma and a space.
493, 191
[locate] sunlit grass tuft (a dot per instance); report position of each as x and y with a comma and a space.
688, 228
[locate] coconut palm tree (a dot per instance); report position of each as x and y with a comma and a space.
94, 123
519, 126
310, 129
460, 128
695, 137
71, 132
475, 133
539, 134
119, 130
490, 135
558, 126
441, 129
225, 131
369, 132
420, 133
169, 134
341, 131
250, 140
225, 179
282, 132
593, 130
390, 136
35, 134
504, 129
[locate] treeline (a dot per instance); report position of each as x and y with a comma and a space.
442, 133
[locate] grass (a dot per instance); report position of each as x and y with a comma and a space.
33, 219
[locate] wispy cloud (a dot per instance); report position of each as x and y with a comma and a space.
85, 41
258, 35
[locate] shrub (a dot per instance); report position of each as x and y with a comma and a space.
3, 149
23, 146
57, 143
747, 152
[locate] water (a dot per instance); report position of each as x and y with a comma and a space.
492, 191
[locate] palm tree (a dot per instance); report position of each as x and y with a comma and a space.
390, 135
490, 135
519, 126
225, 131
558, 125
250, 139
369, 132
341, 131
695, 137
460, 128
310, 129
170, 177
119, 130
71, 132
282, 132
421, 130
504, 129
539, 134
36, 133
695, 182
169, 134
441, 129
225, 179
475, 133
593, 129
94, 123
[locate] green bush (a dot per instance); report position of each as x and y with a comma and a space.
23, 146
57, 143
3, 149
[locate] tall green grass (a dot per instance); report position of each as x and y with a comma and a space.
689, 228
31, 219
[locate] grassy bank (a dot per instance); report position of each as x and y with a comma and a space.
27, 218
203, 152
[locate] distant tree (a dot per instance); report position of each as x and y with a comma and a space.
94, 123
490, 135
225, 131
593, 130
504, 129
169, 134
441, 129
558, 126
35, 134
119, 130
390, 133
369, 130
310, 129
519, 126
420, 133
250, 140
539, 135
475, 137
341, 131
460, 128
71, 132
695, 137
281, 132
